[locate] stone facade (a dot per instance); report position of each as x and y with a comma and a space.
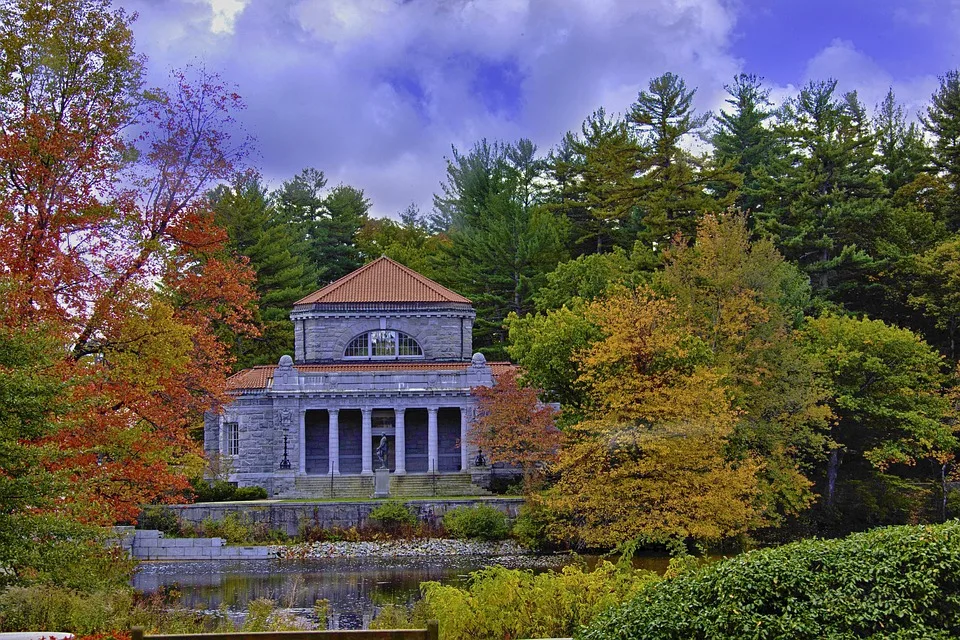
326, 413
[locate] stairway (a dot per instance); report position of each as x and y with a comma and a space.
406, 486
441, 484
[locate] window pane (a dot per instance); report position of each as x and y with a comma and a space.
233, 438
383, 343
408, 346
359, 347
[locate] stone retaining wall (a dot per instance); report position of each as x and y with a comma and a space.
147, 544
288, 516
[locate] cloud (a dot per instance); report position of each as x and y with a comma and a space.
374, 92
224, 14
855, 71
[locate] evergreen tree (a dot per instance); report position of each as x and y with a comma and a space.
503, 240
346, 209
675, 186
327, 222
903, 153
283, 275
825, 204
743, 138
943, 121
594, 173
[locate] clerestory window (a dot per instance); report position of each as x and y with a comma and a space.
383, 344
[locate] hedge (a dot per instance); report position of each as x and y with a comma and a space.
893, 582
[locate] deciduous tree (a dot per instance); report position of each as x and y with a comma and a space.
513, 427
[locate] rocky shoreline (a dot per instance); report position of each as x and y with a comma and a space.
418, 547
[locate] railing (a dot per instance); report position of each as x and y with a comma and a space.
432, 632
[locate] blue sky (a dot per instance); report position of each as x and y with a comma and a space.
375, 92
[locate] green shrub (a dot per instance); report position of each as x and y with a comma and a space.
530, 528
481, 521
222, 491
392, 516
509, 603
896, 582
160, 518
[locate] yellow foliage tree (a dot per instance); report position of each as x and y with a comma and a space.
651, 463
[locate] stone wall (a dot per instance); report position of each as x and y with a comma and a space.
288, 516
147, 544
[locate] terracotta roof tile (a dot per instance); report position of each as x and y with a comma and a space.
261, 377
383, 280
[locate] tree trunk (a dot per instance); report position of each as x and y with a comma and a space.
943, 488
833, 467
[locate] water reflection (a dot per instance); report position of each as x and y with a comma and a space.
354, 588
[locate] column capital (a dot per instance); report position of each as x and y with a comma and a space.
335, 411
366, 411
433, 410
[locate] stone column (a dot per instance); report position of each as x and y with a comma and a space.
464, 454
333, 441
366, 445
432, 457
400, 441
302, 442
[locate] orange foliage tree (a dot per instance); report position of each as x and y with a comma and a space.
105, 239
650, 463
513, 427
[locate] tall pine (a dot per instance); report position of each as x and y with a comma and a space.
825, 204
942, 120
675, 185
260, 234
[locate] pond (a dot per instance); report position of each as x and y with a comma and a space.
355, 588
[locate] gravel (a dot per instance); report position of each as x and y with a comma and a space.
423, 547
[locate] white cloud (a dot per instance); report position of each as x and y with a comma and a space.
374, 92
854, 70
224, 14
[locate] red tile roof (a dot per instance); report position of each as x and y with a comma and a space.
383, 280
261, 377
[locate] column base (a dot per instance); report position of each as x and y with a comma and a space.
400, 472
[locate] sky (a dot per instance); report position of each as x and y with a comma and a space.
375, 93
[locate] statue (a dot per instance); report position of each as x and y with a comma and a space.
481, 461
382, 451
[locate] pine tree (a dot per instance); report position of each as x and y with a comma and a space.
594, 172
675, 186
347, 210
903, 152
503, 240
743, 138
824, 204
943, 121
283, 274
328, 223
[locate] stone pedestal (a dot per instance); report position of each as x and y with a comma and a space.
381, 483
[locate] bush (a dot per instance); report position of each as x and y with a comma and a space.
222, 491
392, 516
509, 603
481, 521
530, 528
896, 582
159, 518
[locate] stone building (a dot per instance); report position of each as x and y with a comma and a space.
382, 352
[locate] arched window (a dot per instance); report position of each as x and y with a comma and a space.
383, 344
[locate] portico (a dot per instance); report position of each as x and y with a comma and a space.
341, 439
